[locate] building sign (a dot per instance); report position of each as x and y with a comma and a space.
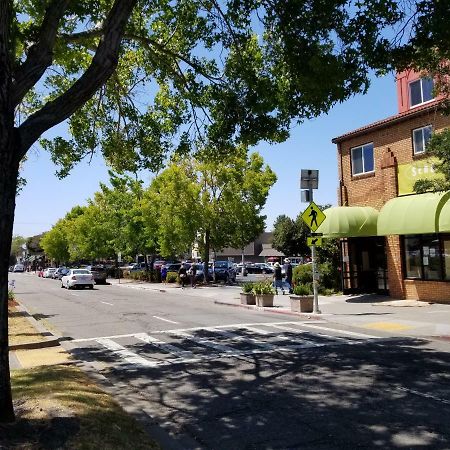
409, 173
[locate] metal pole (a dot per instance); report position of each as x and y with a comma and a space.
316, 309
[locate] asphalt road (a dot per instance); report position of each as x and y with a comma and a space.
215, 377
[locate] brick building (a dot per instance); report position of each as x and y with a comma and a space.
393, 240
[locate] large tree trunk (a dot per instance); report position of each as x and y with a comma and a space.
9, 169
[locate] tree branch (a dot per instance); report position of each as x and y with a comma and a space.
102, 66
40, 54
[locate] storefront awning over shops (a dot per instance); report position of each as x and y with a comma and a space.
415, 214
349, 221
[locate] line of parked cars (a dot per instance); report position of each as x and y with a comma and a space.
76, 277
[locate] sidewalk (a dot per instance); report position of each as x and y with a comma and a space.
368, 312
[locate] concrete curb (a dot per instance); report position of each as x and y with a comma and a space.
271, 310
51, 341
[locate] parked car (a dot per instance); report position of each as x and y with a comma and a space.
259, 268
224, 271
11, 268
77, 277
99, 273
174, 267
48, 272
59, 273
19, 268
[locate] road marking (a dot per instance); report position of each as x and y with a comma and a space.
235, 326
169, 348
421, 394
129, 356
349, 333
254, 341
75, 295
165, 320
106, 303
204, 342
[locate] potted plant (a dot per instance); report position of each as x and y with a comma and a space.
248, 297
302, 298
264, 292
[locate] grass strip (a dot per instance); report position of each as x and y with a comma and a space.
59, 407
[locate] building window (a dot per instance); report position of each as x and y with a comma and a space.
362, 159
424, 259
421, 91
421, 136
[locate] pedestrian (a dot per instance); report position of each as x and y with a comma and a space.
163, 273
193, 275
277, 277
288, 273
182, 275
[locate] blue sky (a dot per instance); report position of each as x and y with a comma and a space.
45, 198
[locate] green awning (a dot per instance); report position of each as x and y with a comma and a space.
415, 214
349, 221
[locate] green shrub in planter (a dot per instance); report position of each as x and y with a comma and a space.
263, 287
330, 277
11, 295
172, 277
303, 289
247, 288
302, 274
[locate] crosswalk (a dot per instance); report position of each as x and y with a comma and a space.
191, 345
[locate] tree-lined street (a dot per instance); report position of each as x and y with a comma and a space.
216, 377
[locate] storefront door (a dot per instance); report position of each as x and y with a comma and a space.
364, 265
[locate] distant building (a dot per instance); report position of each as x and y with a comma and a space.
260, 250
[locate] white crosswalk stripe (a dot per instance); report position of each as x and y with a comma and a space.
183, 346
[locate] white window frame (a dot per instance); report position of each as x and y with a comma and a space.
423, 139
421, 93
364, 172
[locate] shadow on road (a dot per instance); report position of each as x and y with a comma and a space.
387, 394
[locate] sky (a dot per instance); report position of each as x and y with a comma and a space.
45, 199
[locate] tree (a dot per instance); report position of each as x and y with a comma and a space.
55, 243
289, 236
439, 147
261, 62
16, 246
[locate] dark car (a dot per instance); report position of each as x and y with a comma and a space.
259, 268
99, 273
60, 272
224, 271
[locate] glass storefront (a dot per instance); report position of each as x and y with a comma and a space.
427, 257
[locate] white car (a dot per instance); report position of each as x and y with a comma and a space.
78, 277
48, 272
19, 268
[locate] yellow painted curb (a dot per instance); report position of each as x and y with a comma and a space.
388, 326
42, 357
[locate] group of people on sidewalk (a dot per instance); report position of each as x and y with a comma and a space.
186, 275
278, 276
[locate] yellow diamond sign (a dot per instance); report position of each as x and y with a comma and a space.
314, 240
313, 216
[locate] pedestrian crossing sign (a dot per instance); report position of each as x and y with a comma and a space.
314, 240
313, 216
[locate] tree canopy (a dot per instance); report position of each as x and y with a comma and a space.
138, 80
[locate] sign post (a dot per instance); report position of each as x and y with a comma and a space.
119, 260
313, 217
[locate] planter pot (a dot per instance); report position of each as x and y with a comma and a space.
302, 303
264, 299
248, 299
